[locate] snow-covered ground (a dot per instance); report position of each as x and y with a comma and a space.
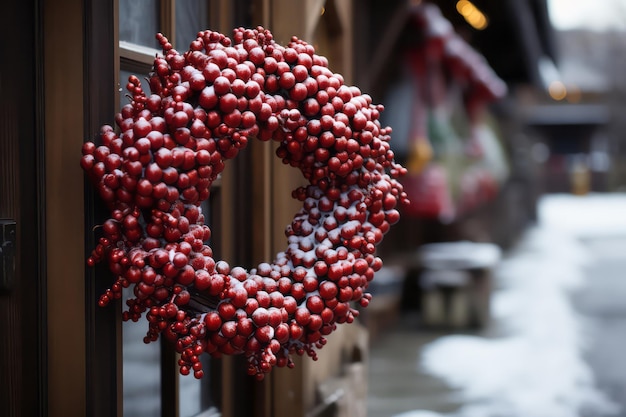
536, 368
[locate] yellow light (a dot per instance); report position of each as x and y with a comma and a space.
323, 11
472, 14
464, 7
557, 90
477, 20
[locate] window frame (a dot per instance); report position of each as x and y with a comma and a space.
82, 57
139, 59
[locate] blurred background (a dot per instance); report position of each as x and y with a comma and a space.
494, 105
502, 292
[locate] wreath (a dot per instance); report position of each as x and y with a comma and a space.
171, 144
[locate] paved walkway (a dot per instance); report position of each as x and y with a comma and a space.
396, 384
594, 342
602, 303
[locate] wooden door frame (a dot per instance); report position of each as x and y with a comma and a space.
79, 50
84, 352
68, 26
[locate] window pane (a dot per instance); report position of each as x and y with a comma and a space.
141, 363
141, 370
192, 16
139, 21
190, 389
124, 100
200, 396
195, 395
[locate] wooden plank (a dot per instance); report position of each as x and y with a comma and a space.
10, 354
168, 21
63, 40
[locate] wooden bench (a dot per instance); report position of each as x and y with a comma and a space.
455, 281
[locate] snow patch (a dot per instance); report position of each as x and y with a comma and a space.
537, 367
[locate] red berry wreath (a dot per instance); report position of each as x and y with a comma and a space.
205, 105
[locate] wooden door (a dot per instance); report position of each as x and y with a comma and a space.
87, 57
22, 257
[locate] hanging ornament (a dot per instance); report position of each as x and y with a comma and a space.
206, 103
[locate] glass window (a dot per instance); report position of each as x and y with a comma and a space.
141, 363
150, 387
141, 369
195, 397
124, 74
192, 16
139, 21
199, 397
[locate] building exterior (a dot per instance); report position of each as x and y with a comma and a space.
64, 65
63, 355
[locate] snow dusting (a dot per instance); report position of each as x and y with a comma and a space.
535, 366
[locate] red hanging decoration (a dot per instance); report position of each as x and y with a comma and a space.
205, 105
